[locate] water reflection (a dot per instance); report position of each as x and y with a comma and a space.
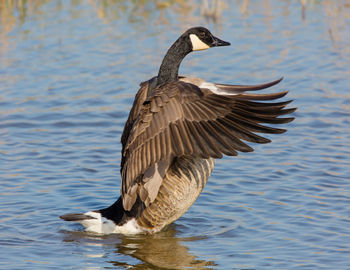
163, 250
161, 13
14, 12
138, 13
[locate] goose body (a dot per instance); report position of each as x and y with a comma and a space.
176, 129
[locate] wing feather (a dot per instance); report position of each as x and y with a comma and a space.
207, 142
236, 89
180, 119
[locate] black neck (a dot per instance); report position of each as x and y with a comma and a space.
168, 71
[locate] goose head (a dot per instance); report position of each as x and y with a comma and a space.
194, 39
201, 39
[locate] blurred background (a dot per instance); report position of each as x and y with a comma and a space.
69, 71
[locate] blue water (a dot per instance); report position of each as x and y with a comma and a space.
68, 73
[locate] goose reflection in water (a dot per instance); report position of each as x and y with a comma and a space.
163, 250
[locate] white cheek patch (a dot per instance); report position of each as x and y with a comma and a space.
197, 44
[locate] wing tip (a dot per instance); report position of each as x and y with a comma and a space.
288, 120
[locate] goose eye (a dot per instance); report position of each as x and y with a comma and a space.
202, 34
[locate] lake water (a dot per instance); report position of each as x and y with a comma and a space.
69, 71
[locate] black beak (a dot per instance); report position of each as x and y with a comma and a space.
218, 42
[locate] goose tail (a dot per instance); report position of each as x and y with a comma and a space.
113, 219
76, 217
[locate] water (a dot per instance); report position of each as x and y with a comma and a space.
68, 74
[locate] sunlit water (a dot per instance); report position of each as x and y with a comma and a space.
68, 73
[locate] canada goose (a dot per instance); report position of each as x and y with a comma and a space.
176, 128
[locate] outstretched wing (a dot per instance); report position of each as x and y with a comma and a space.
180, 119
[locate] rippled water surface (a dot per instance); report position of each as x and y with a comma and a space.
69, 71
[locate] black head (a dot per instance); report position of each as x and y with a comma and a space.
194, 39
202, 39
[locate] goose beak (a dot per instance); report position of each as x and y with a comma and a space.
218, 42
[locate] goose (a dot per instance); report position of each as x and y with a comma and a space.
176, 129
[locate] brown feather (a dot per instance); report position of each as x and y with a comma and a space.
180, 119
244, 88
